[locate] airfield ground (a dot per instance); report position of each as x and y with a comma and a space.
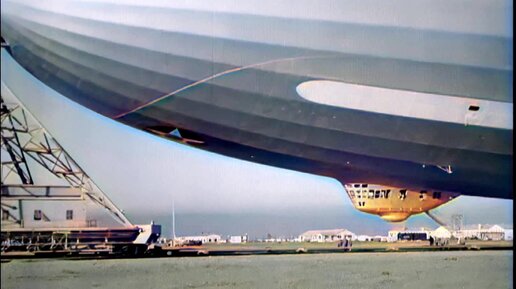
366, 246
443, 269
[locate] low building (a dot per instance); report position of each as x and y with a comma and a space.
326, 235
442, 233
392, 236
482, 232
237, 239
508, 235
409, 235
495, 233
379, 238
364, 238
204, 239
295, 240
367, 238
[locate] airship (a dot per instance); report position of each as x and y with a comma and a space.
407, 103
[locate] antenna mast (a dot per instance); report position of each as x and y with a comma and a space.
173, 220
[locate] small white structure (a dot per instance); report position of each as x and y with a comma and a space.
379, 238
204, 239
495, 232
441, 232
392, 236
238, 239
508, 235
326, 235
364, 238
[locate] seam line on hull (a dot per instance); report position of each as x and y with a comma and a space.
222, 73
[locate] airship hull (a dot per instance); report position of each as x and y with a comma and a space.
229, 82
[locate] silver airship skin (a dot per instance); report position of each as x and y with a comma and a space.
409, 94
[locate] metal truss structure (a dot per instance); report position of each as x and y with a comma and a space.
457, 222
23, 136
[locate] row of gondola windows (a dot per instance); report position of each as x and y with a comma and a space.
360, 185
375, 194
435, 195
371, 194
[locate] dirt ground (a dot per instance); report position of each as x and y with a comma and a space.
446, 269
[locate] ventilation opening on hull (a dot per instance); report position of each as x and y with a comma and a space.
474, 108
175, 133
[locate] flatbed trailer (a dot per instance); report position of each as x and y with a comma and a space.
77, 241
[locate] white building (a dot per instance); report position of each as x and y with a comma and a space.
238, 239
508, 235
364, 238
379, 238
326, 235
482, 232
295, 240
204, 239
442, 233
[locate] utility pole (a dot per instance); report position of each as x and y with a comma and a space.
173, 220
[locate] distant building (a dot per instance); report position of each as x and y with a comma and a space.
409, 235
295, 240
482, 232
204, 239
508, 235
326, 235
392, 236
378, 238
442, 232
364, 238
367, 238
238, 239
